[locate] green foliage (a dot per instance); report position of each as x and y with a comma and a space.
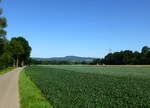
93, 87
3, 33
26, 47
16, 47
98, 61
20, 50
4, 56
17, 50
126, 57
2, 46
3, 24
5, 60
145, 49
3, 71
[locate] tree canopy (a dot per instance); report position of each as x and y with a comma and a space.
126, 57
20, 50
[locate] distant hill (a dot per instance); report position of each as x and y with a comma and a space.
67, 58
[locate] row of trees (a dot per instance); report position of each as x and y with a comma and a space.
15, 52
126, 57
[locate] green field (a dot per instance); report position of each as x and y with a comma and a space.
92, 86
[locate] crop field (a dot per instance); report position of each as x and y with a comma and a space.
92, 86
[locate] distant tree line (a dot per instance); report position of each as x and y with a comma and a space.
56, 62
126, 57
15, 52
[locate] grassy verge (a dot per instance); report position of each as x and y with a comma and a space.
30, 95
6, 70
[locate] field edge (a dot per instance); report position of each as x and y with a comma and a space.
30, 95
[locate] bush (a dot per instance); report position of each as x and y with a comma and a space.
5, 60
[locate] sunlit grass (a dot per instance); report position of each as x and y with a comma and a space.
30, 95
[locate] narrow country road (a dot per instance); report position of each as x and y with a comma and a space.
9, 89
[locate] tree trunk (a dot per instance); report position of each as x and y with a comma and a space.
14, 63
17, 63
22, 64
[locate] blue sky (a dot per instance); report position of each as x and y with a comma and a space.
79, 27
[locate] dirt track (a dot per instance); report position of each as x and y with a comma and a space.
9, 89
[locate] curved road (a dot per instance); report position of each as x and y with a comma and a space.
9, 89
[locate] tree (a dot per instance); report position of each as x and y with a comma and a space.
20, 50
3, 40
5, 60
27, 50
2, 46
137, 58
145, 49
3, 24
97, 62
16, 50
127, 57
145, 55
148, 57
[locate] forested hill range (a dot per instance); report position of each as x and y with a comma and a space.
67, 58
